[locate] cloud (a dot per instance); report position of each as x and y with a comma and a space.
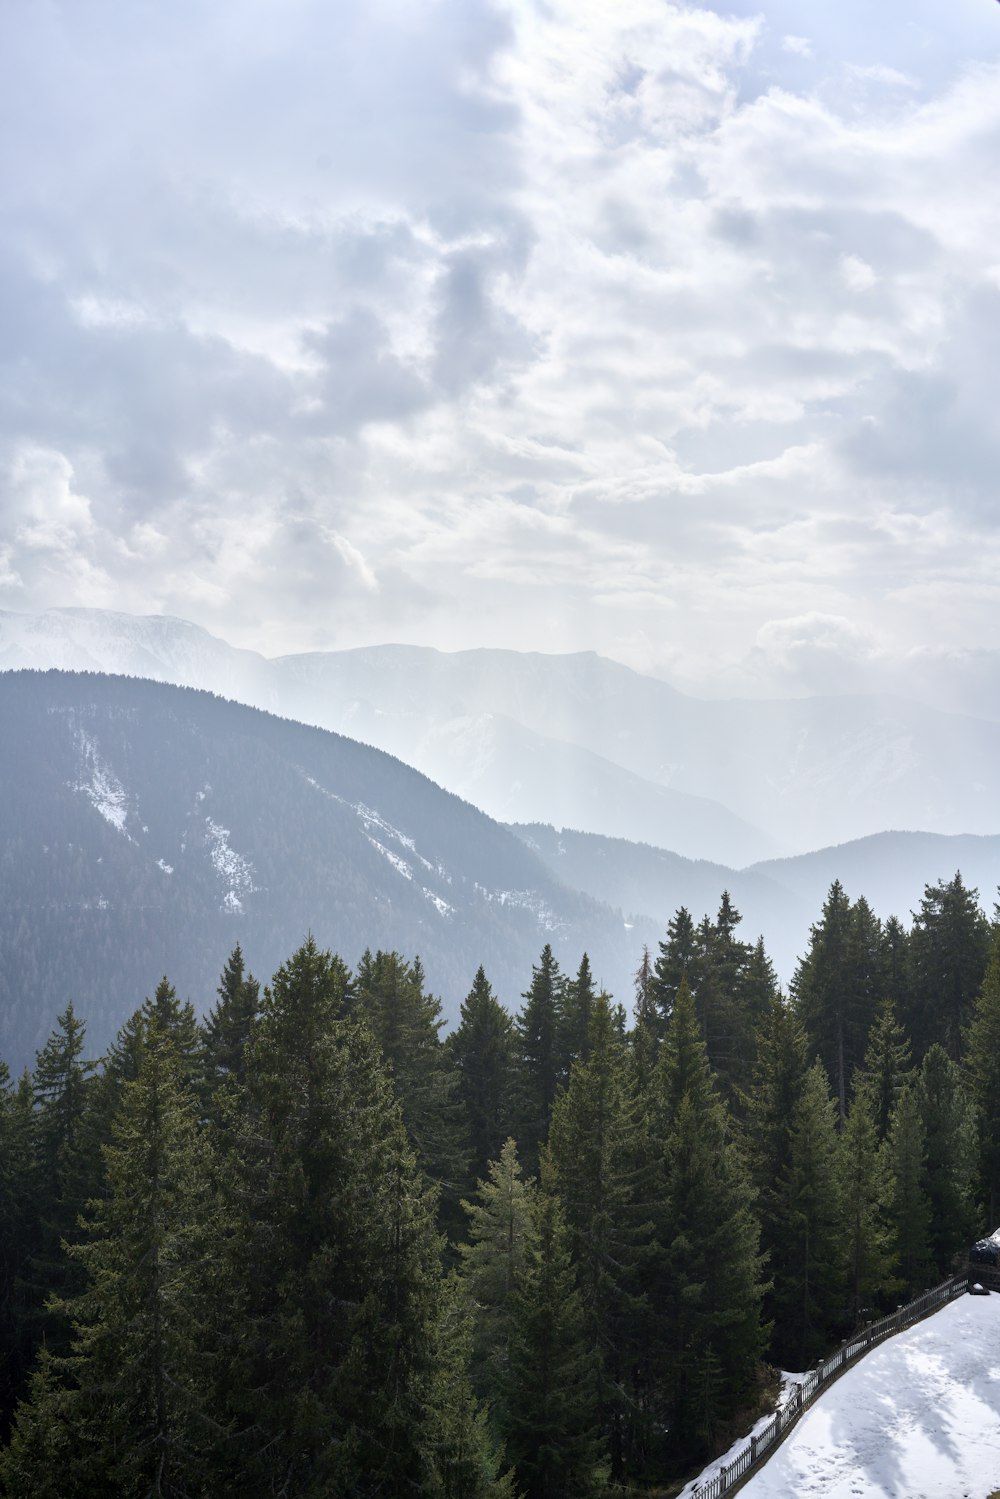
649, 328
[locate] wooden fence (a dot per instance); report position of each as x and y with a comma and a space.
759, 1447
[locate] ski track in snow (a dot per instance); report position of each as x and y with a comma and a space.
917, 1418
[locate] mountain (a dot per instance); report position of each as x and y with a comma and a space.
586, 742
779, 898
146, 828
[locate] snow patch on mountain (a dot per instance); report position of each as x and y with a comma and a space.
400, 865
233, 869
527, 900
101, 786
442, 906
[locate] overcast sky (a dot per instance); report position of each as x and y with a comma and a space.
670, 331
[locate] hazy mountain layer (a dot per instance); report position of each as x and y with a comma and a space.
146, 829
778, 899
581, 740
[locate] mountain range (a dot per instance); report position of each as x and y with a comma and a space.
583, 742
146, 829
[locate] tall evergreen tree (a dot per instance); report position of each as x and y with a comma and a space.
770, 1108
909, 1207
334, 1262
949, 1126
592, 1152
865, 1189
887, 1068
551, 1424
982, 1054
677, 960
949, 950
706, 1299
537, 1079
578, 999
501, 1232
18, 1239
480, 1049
227, 1025
131, 1399
406, 1021
808, 1300
835, 987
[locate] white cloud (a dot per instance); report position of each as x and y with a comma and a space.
505, 323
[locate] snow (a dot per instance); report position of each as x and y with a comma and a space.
101, 786
917, 1418
400, 865
167, 868
233, 870
789, 1383
435, 900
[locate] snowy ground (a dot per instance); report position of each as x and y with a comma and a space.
917, 1418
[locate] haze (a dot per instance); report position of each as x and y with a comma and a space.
662, 330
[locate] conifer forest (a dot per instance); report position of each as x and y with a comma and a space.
307, 1245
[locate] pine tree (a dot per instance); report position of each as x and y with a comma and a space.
865, 1189
770, 1107
537, 1077
480, 1050
389, 994
551, 1427
706, 1299
19, 1217
835, 987
592, 1151
982, 1054
67, 1170
127, 1408
949, 950
460, 1457
887, 1069
578, 999
949, 1125
677, 960
501, 1232
808, 1300
909, 1208
334, 1264
227, 1026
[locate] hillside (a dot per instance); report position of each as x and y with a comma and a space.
582, 740
147, 828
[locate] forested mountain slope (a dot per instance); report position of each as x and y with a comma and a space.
146, 828
785, 775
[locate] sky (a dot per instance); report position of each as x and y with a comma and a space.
670, 331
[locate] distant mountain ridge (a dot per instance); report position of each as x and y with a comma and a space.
582, 741
146, 828
779, 898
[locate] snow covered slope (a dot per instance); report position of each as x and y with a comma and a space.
917, 1418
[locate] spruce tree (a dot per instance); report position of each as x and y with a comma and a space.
948, 1118
865, 1189
982, 1055
578, 999
551, 1426
128, 1409
677, 960
949, 951
493, 1264
909, 1210
18, 1239
808, 1301
887, 1069
592, 1152
706, 1297
334, 1262
480, 1050
537, 1067
226, 1028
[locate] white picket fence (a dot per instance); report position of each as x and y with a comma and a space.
758, 1448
